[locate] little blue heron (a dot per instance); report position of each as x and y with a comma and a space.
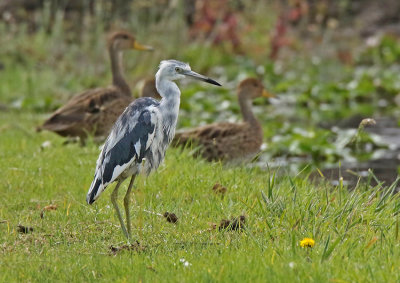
140, 137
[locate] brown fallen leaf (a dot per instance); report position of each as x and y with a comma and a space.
135, 247
224, 224
50, 207
47, 208
237, 223
171, 217
219, 189
24, 229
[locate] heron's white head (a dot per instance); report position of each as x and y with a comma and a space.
175, 70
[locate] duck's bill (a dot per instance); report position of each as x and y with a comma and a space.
201, 78
138, 46
267, 94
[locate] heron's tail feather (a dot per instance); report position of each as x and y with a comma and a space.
95, 189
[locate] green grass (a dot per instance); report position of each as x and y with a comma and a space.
356, 232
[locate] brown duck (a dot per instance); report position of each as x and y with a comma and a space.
94, 111
230, 141
149, 89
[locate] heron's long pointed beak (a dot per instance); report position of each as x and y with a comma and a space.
201, 77
138, 46
267, 94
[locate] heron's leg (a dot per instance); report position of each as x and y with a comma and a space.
126, 204
114, 196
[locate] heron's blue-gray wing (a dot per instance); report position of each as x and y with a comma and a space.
128, 142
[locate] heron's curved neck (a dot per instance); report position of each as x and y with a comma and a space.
117, 71
246, 108
171, 97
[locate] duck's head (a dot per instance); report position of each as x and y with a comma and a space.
123, 40
252, 88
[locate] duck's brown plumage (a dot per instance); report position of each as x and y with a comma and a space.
230, 141
96, 110
149, 89
92, 112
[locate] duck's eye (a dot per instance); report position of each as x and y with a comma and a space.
177, 69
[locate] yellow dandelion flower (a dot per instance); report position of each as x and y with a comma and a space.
307, 242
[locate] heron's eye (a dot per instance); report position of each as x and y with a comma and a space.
177, 69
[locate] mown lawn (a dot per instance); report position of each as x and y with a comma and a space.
356, 232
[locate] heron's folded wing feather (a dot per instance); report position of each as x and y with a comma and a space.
128, 141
